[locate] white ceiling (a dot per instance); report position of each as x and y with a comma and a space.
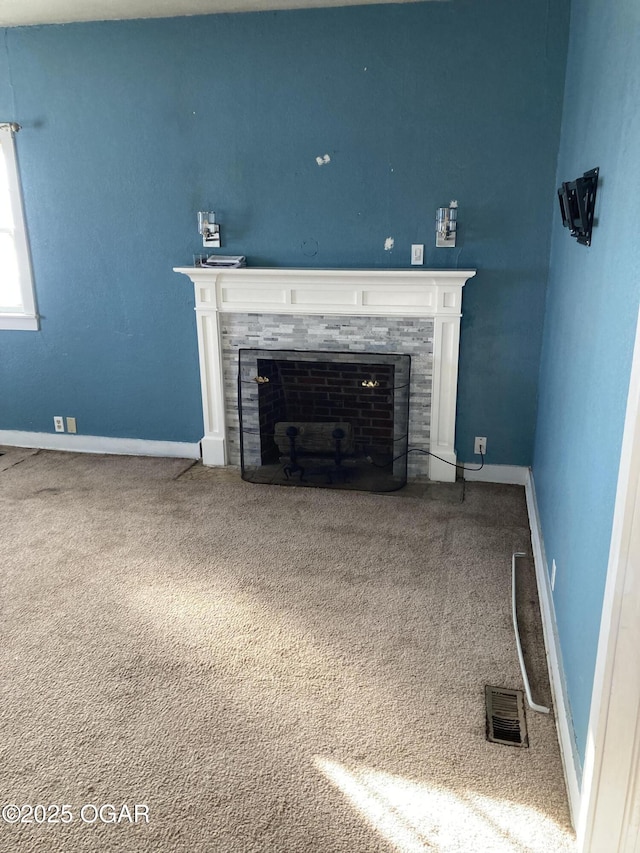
18, 13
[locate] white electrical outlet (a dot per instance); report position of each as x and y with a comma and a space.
58, 423
553, 575
71, 425
480, 445
417, 254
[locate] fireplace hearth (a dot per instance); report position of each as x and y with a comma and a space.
325, 419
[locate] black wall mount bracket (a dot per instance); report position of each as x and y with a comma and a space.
577, 204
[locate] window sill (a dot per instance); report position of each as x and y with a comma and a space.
21, 322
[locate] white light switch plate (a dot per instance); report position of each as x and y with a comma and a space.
417, 254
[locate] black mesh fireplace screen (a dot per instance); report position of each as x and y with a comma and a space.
335, 420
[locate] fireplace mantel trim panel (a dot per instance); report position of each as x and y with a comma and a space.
373, 293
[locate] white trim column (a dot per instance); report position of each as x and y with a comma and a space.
446, 344
214, 450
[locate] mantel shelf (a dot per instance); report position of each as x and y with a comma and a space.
411, 293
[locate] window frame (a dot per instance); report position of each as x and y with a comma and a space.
26, 318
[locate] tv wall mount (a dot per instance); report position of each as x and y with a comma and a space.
577, 204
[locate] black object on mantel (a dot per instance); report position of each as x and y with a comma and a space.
577, 204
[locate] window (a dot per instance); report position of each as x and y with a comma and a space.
17, 303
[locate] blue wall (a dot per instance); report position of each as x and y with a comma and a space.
592, 308
131, 127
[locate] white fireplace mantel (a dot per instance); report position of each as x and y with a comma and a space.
373, 293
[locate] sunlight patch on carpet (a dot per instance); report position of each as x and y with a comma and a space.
415, 817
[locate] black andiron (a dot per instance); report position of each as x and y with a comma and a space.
338, 452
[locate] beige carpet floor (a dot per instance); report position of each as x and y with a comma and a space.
261, 668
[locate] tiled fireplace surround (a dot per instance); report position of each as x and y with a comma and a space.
416, 312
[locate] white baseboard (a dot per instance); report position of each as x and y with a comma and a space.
564, 725
99, 444
508, 474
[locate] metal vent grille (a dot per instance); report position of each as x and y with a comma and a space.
506, 722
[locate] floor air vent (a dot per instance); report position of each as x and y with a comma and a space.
505, 716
